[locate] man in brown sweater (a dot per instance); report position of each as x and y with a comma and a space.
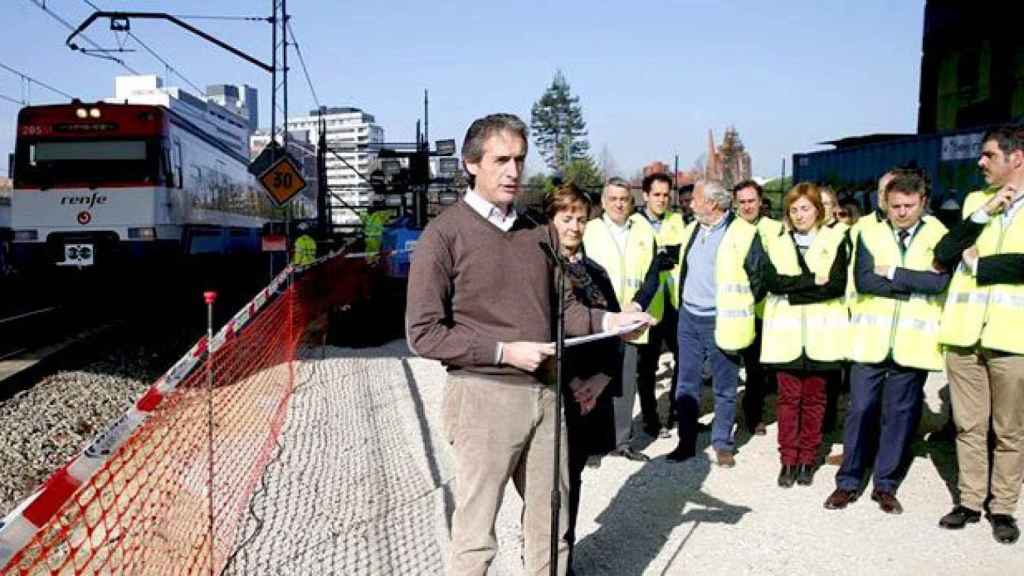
481, 292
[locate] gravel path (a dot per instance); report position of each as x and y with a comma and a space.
361, 485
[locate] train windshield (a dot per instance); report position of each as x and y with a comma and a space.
95, 163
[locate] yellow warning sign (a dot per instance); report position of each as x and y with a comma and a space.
282, 180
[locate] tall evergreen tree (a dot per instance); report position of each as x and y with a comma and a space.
556, 121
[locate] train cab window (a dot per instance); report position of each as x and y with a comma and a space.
87, 162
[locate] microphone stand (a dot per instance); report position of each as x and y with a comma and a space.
556, 491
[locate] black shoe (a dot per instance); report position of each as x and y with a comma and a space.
630, 454
652, 430
787, 476
680, 454
1004, 528
805, 475
959, 517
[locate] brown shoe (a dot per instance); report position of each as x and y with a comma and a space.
840, 498
834, 459
887, 502
725, 459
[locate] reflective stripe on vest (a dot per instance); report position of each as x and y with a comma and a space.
734, 302
989, 315
819, 330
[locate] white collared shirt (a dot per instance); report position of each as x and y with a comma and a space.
490, 212
619, 233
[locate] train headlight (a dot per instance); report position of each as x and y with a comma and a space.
82, 113
142, 233
26, 235
94, 113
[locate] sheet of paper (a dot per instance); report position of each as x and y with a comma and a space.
576, 341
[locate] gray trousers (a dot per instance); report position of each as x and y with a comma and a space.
503, 431
622, 406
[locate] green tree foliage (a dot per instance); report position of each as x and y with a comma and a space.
556, 121
585, 174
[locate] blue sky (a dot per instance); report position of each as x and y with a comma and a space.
652, 76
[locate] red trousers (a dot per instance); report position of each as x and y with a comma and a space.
800, 411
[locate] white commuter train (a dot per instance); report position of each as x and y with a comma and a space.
107, 184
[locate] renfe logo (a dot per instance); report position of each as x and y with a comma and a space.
89, 201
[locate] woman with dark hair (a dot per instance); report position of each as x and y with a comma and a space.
805, 325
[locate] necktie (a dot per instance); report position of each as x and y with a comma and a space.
903, 235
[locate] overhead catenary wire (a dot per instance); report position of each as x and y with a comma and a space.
13, 100
42, 6
32, 80
302, 61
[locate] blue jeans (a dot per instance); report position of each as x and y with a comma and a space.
697, 342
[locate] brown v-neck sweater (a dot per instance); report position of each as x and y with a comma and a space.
472, 285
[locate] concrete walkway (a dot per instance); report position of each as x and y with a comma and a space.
361, 486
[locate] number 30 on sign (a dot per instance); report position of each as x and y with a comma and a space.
282, 180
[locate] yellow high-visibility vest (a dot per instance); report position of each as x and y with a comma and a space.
627, 268
305, 250
863, 223
992, 315
818, 330
373, 229
767, 229
908, 330
734, 301
670, 234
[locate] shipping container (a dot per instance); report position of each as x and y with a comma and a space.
949, 159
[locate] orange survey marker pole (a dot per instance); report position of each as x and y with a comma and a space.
210, 297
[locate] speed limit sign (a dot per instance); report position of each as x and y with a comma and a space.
282, 180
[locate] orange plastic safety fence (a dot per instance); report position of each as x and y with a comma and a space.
146, 509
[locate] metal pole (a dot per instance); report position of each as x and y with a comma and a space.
284, 123
556, 491
273, 75
210, 298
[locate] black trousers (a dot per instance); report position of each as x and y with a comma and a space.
757, 385
664, 333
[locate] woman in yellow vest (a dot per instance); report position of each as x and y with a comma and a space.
805, 325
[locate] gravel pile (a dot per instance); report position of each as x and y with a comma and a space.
45, 425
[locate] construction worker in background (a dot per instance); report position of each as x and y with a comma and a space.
305, 248
667, 228
748, 198
373, 229
981, 326
894, 342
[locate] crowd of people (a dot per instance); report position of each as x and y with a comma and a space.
821, 299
